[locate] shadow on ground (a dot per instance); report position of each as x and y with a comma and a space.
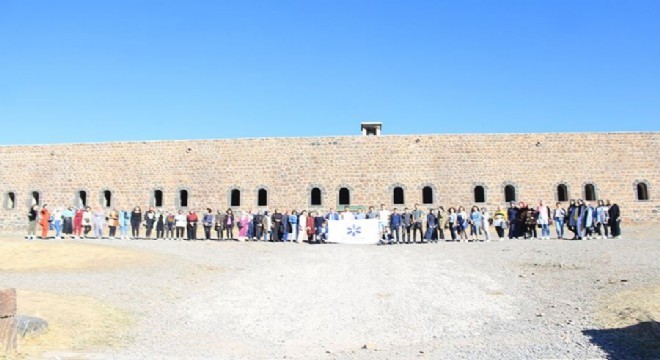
639, 341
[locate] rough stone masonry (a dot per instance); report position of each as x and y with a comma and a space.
204, 173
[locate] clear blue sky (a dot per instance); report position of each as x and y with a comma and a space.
110, 70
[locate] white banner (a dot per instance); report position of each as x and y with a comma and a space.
353, 231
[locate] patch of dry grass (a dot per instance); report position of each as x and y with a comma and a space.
630, 307
23, 255
75, 323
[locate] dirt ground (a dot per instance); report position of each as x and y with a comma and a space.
112, 299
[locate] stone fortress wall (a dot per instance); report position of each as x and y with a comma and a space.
369, 167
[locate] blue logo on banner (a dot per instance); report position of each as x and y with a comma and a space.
353, 230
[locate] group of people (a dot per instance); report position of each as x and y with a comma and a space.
395, 227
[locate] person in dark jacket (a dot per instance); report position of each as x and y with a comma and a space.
431, 227
614, 220
136, 219
406, 224
257, 224
512, 215
276, 220
149, 221
230, 222
571, 221
160, 226
395, 225
319, 220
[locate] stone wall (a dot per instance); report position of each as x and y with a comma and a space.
369, 166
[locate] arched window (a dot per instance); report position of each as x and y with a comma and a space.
344, 196
479, 194
589, 192
82, 198
642, 191
262, 197
315, 197
36, 198
235, 198
562, 192
158, 198
183, 198
10, 200
427, 195
106, 198
398, 196
510, 193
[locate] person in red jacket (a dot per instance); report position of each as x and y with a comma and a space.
78, 223
192, 220
44, 221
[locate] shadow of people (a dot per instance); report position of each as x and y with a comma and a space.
639, 341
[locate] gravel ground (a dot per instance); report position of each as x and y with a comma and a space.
515, 299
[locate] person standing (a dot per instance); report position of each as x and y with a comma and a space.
220, 223
360, 214
441, 222
57, 223
293, 226
180, 220
462, 221
136, 219
319, 221
589, 216
615, 220
347, 214
395, 225
476, 219
384, 219
191, 221
88, 218
452, 220
78, 223
311, 229
276, 220
44, 221
258, 225
500, 221
67, 222
602, 220
113, 221
99, 223
285, 226
207, 223
170, 225
579, 211
418, 217
302, 226
485, 223
33, 214
231, 221
571, 218
160, 225
371, 214
513, 215
431, 227
149, 221
559, 214
406, 223
529, 220
124, 223
243, 223
267, 225
543, 220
